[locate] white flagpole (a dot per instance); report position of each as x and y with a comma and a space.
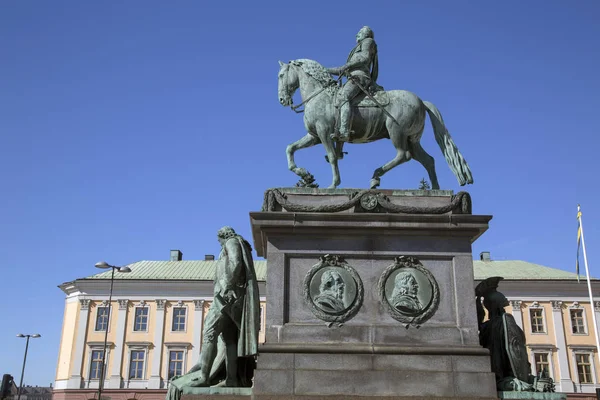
587, 273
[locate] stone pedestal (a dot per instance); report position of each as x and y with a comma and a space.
532, 396
376, 345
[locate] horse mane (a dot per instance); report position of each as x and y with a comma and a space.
317, 71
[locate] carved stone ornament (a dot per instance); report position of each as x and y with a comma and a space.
123, 304
333, 290
198, 305
373, 201
556, 305
408, 291
516, 304
85, 304
160, 304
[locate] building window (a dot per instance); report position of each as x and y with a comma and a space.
542, 364
584, 368
96, 364
175, 363
577, 322
178, 319
141, 319
537, 320
136, 364
102, 319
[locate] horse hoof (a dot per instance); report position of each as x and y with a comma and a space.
375, 183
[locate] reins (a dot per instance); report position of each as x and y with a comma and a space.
309, 98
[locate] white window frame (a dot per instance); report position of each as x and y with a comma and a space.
262, 316
536, 306
542, 349
181, 305
97, 346
137, 383
142, 304
176, 346
584, 349
573, 307
104, 304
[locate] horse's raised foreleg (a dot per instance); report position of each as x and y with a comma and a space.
307, 141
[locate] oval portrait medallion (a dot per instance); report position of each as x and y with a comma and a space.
409, 291
333, 290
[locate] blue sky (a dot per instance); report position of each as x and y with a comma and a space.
129, 128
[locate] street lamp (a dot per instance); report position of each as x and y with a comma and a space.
105, 265
35, 335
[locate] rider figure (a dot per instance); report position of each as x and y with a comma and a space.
363, 66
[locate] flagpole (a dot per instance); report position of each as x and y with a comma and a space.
587, 273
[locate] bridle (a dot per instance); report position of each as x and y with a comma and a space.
309, 98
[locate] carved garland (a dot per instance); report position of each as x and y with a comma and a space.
428, 310
334, 261
369, 200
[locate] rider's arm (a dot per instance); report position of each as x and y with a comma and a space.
360, 59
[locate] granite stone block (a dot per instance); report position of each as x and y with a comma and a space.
275, 361
333, 362
373, 383
471, 364
392, 362
470, 384
273, 381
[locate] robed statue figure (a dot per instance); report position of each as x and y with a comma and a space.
231, 326
505, 340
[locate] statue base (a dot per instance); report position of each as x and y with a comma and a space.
532, 395
217, 393
360, 339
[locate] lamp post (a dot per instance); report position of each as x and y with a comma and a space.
105, 265
35, 335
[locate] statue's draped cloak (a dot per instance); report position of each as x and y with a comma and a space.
492, 337
250, 323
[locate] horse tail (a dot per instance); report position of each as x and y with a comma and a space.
455, 160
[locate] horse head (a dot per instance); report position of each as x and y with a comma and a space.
288, 82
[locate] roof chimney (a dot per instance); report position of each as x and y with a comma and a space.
176, 255
485, 256
209, 257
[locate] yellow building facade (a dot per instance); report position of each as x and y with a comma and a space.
156, 316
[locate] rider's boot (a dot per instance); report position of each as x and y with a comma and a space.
345, 119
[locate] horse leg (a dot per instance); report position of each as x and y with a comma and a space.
400, 142
339, 150
331, 157
420, 155
306, 141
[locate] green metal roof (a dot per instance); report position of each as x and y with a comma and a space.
519, 270
205, 270
196, 270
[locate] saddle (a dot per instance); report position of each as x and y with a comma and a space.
362, 100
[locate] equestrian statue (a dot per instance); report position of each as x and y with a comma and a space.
360, 111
